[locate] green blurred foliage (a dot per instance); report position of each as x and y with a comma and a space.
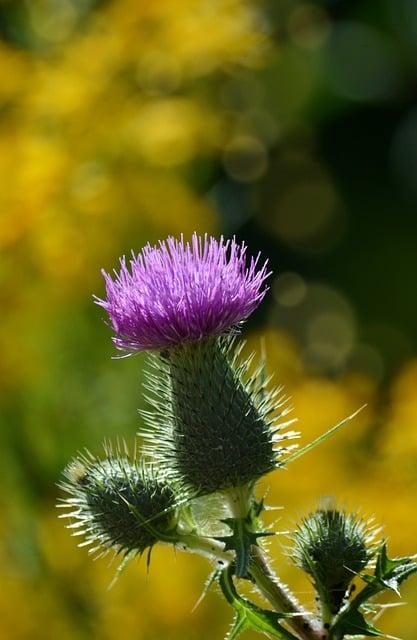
291, 124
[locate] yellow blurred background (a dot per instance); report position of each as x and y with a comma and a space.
290, 124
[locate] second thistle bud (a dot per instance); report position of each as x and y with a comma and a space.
332, 547
117, 504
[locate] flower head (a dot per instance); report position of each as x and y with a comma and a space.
179, 292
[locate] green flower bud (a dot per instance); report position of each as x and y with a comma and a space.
213, 426
117, 504
332, 547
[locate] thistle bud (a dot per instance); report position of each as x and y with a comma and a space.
332, 547
214, 426
117, 504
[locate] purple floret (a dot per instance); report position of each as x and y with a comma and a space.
178, 292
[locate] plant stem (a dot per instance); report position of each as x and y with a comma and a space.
278, 594
239, 500
281, 598
207, 547
365, 594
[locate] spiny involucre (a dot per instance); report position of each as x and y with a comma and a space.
117, 504
212, 425
179, 292
333, 546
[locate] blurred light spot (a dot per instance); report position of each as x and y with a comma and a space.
232, 202
260, 124
242, 91
288, 83
403, 16
307, 216
404, 387
245, 159
330, 338
391, 342
61, 251
289, 289
89, 180
361, 63
403, 153
281, 353
367, 360
170, 131
52, 21
323, 323
309, 26
158, 73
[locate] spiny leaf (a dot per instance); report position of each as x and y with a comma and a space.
214, 575
391, 573
241, 541
239, 625
250, 616
212, 425
388, 574
312, 445
355, 624
121, 568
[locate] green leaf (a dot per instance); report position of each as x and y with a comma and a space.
257, 507
214, 575
322, 438
239, 625
121, 568
354, 624
250, 616
391, 573
388, 574
241, 541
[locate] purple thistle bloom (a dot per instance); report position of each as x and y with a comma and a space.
178, 292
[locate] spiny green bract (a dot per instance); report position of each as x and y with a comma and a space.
332, 547
212, 425
115, 503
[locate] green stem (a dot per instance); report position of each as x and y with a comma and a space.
207, 547
367, 592
239, 500
277, 593
267, 582
268, 626
324, 609
281, 598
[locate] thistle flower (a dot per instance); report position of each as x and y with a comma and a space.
116, 504
332, 547
178, 292
212, 425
